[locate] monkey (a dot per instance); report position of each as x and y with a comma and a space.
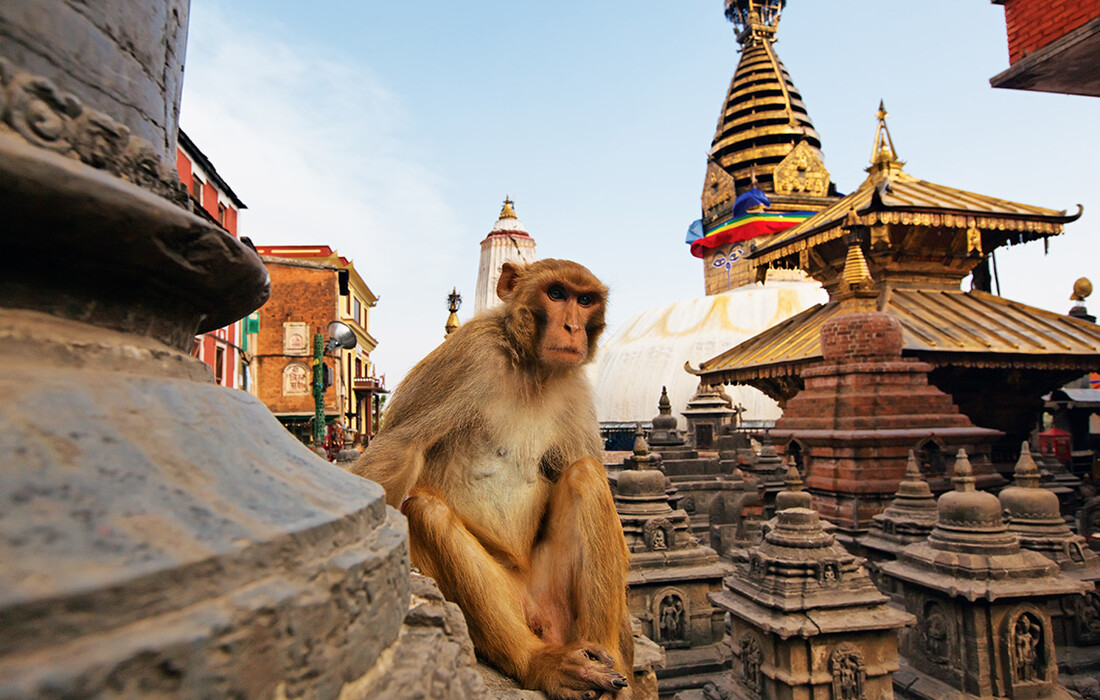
490, 447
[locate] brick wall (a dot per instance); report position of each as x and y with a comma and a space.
306, 294
1032, 24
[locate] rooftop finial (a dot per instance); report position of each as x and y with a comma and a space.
507, 211
454, 300
884, 153
754, 19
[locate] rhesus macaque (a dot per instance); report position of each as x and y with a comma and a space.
491, 448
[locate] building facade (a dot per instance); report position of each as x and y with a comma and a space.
212, 198
312, 286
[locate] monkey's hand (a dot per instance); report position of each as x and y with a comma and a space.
578, 671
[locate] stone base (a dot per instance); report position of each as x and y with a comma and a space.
161, 535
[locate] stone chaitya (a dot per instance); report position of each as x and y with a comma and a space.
981, 603
708, 413
805, 619
909, 518
163, 536
1034, 517
696, 478
670, 576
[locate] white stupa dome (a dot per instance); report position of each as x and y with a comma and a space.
649, 350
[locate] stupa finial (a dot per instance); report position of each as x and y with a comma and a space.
1026, 472
508, 210
964, 472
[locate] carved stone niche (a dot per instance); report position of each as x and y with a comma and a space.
658, 534
1027, 650
749, 671
1086, 629
672, 616
849, 673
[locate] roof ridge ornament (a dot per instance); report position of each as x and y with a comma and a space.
884, 157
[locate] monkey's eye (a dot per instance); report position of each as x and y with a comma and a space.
556, 293
585, 300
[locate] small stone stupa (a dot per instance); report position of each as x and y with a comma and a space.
909, 518
670, 576
1035, 519
981, 603
695, 477
707, 413
805, 619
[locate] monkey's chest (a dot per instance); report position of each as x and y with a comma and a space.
505, 492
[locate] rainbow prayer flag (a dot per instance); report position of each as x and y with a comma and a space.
747, 226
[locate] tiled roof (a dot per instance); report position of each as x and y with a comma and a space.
965, 328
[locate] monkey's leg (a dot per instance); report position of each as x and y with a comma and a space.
493, 600
582, 560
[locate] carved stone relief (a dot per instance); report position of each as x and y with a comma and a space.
673, 618
752, 658
937, 632
1027, 649
295, 338
50, 118
296, 380
849, 674
658, 534
1086, 621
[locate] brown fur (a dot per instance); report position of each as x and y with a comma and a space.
491, 443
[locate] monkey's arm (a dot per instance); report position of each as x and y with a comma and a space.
395, 461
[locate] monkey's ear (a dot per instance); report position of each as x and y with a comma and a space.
509, 273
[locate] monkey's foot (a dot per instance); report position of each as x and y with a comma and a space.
576, 671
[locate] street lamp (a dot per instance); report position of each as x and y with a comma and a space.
340, 336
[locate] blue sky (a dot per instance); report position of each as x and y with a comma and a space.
392, 131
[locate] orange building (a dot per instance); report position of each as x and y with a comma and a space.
312, 286
223, 349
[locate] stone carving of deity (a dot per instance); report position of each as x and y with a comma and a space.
1027, 656
672, 618
848, 675
751, 659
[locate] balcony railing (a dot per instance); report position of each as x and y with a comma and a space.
368, 384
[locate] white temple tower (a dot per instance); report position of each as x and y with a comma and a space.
507, 242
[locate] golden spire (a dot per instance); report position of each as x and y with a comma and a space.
763, 117
883, 155
507, 211
454, 300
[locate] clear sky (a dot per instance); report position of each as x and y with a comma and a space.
392, 131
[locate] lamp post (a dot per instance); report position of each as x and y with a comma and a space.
340, 337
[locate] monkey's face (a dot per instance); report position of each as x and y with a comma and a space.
568, 312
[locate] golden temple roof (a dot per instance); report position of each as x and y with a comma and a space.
890, 195
951, 327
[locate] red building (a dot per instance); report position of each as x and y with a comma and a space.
224, 349
1053, 46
